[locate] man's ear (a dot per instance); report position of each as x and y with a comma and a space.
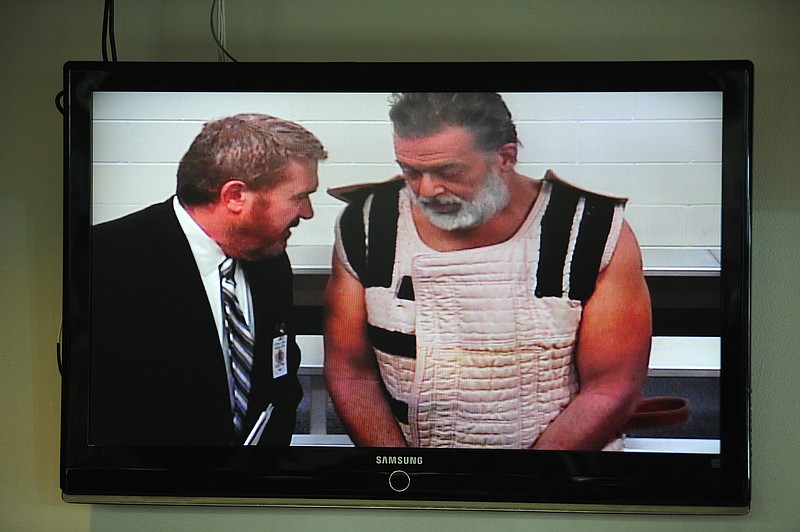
507, 154
233, 196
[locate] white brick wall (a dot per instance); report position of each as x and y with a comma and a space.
660, 150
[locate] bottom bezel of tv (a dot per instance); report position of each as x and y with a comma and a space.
409, 504
399, 487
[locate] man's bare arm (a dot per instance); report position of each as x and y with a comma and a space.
351, 371
612, 355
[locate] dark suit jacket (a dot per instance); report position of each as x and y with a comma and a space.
157, 370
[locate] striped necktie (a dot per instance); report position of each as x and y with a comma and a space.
240, 342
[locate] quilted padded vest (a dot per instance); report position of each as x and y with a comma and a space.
475, 347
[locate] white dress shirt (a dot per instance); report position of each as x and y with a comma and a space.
208, 256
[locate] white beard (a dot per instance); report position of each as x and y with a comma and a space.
490, 199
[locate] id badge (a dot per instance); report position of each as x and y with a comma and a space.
280, 364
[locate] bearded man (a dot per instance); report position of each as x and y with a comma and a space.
472, 306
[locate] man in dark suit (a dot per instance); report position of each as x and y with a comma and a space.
191, 340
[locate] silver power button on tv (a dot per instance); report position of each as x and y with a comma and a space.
399, 481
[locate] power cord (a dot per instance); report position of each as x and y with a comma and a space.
58, 349
108, 31
109, 40
218, 30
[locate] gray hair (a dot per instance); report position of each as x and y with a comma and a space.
484, 114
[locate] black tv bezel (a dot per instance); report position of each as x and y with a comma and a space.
451, 478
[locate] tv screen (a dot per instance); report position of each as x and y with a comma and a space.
577, 338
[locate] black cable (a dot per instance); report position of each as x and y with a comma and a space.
108, 31
60, 102
58, 350
108, 38
105, 30
214, 34
111, 32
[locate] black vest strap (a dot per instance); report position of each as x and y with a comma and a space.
353, 234
590, 242
556, 225
382, 239
392, 342
372, 255
598, 215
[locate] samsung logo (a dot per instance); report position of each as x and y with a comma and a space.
398, 460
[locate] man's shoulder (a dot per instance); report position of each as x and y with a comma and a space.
369, 221
151, 230
144, 219
559, 183
358, 193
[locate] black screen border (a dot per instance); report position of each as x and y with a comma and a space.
660, 482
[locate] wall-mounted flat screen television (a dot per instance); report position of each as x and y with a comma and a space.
431, 285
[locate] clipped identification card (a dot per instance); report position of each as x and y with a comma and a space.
280, 364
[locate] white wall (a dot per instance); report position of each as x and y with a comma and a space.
660, 150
